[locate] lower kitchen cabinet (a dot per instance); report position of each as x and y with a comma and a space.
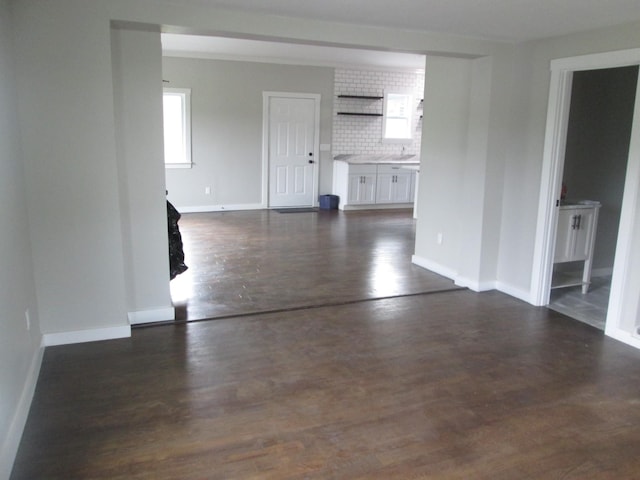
394, 185
372, 186
362, 188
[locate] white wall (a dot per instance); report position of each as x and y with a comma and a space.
68, 142
137, 66
226, 123
459, 201
444, 137
20, 350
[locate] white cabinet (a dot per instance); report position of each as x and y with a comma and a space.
354, 184
575, 240
372, 186
362, 188
394, 185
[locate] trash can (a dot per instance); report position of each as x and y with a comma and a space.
329, 202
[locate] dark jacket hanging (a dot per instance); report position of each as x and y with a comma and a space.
176, 253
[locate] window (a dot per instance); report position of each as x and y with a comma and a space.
398, 117
177, 127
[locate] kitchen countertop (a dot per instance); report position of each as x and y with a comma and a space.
379, 159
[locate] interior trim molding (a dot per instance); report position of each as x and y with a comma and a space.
82, 336
434, 267
453, 275
220, 208
555, 139
475, 285
150, 316
520, 294
11, 441
594, 61
379, 206
622, 336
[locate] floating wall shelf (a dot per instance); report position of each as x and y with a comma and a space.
361, 97
361, 114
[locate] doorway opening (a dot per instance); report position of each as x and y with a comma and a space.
232, 173
595, 164
622, 312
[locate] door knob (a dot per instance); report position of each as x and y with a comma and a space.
311, 161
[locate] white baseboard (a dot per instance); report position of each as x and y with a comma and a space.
82, 336
524, 295
518, 293
11, 441
623, 336
220, 208
151, 316
452, 274
376, 206
434, 267
474, 285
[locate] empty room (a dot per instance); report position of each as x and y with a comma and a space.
371, 248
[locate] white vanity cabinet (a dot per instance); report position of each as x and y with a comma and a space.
575, 240
372, 185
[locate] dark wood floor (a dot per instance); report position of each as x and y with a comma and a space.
257, 261
447, 385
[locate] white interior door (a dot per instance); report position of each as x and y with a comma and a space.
292, 151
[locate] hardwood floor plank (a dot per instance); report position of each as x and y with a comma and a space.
453, 385
255, 261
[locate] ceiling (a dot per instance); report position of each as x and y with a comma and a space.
496, 20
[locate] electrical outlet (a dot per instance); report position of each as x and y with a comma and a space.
439, 239
27, 319
207, 190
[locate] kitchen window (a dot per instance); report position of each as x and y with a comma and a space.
176, 104
398, 118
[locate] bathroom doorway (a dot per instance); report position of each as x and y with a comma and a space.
595, 165
622, 320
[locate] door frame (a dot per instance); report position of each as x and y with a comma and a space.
621, 299
266, 102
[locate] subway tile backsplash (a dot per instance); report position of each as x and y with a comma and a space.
363, 134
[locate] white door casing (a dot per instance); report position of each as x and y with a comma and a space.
290, 149
623, 301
